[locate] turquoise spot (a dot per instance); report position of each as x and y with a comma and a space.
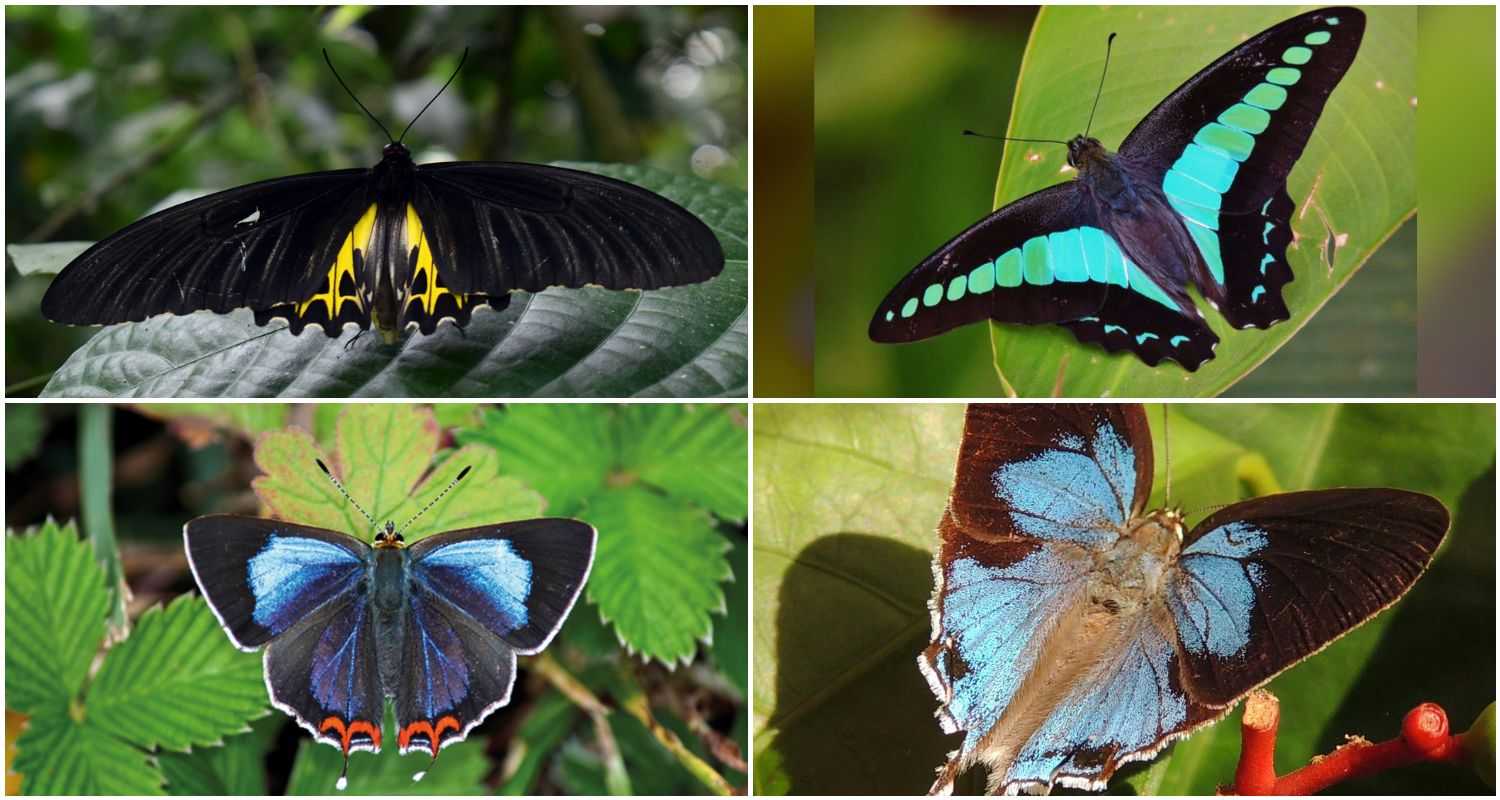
1008, 268
982, 279
1284, 76
1208, 167
1265, 235
1178, 339
1256, 293
909, 308
1246, 117
1145, 287
1035, 262
1266, 96
956, 287
1208, 245
1066, 248
1088, 319
1318, 37
1264, 206
1115, 329
1096, 244
1333, 20
890, 315
1143, 337
933, 294
1186, 190
1114, 265
1297, 55
1266, 261
1235, 144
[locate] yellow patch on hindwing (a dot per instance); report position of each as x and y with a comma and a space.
423, 287
334, 293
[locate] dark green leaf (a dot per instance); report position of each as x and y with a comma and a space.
564, 451
731, 647
236, 767
546, 726
698, 454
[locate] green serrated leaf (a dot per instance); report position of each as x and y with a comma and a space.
696, 453
657, 572
563, 451
381, 450
237, 767
674, 342
177, 681
1363, 198
57, 755
459, 769
546, 727
293, 488
732, 631
56, 602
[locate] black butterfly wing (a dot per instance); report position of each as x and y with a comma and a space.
1222, 145
1264, 583
495, 228
1046, 258
254, 246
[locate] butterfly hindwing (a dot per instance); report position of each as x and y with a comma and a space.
1074, 632
1222, 145
325, 672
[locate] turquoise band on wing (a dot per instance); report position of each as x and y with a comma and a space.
1196, 183
1075, 255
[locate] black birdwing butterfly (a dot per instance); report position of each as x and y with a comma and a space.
399, 244
435, 625
1196, 195
1074, 631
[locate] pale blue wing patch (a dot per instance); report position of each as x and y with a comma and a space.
1078, 491
290, 576
1214, 593
485, 577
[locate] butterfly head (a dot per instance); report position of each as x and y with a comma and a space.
389, 538
1085, 150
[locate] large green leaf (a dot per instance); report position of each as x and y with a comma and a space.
56, 601
1356, 176
847, 499
176, 681
58, 755
679, 341
696, 454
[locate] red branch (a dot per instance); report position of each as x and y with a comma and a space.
1424, 737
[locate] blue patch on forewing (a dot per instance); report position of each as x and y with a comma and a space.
292, 575
1069, 494
487, 570
997, 617
1215, 594
1131, 710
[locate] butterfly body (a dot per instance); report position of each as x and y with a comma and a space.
434, 626
396, 246
1195, 196
1075, 631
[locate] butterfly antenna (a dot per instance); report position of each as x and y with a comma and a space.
345, 493
340, 79
1100, 91
429, 505
968, 132
439, 93
1166, 448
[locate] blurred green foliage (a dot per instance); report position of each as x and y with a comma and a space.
110, 110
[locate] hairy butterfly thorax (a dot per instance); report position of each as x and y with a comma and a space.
394, 247
1196, 196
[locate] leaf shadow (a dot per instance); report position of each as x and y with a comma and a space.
852, 620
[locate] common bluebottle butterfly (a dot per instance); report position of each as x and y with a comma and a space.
435, 625
1074, 631
1196, 196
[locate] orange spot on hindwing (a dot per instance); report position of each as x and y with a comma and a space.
428, 734
359, 734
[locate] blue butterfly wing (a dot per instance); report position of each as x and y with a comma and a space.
1265, 583
1221, 146
262, 576
266, 579
477, 598
1038, 492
